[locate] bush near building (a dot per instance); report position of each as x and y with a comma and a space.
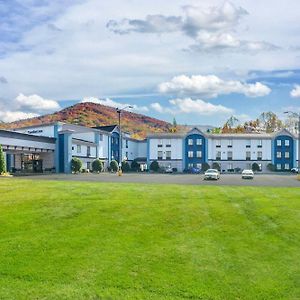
2, 162
271, 167
135, 166
97, 165
216, 166
76, 165
255, 167
125, 166
114, 166
154, 166
205, 167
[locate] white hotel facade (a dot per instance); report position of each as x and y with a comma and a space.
50, 148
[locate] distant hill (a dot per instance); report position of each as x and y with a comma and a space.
91, 114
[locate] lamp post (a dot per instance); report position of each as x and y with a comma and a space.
119, 111
298, 116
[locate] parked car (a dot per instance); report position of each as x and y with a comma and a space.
295, 170
169, 170
212, 174
247, 174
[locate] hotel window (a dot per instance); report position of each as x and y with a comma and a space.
287, 155
218, 155
168, 143
278, 143
230, 166
73, 148
278, 154
248, 144
259, 155
260, 167
168, 155
199, 142
88, 151
248, 155
287, 143
78, 148
190, 166
229, 155
287, 166
160, 143
199, 154
278, 166
190, 142
159, 155
229, 144
101, 137
126, 155
126, 143
199, 166
218, 143
190, 154
259, 144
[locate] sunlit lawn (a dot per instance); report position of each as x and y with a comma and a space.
73, 240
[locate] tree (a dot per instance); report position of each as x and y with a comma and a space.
114, 165
97, 165
205, 167
271, 167
173, 129
154, 166
76, 165
270, 122
255, 167
135, 166
216, 166
125, 166
2, 162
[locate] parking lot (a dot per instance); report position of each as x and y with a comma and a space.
275, 180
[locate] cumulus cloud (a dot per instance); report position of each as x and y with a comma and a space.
11, 116
211, 86
295, 92
35, 103
211, 28
112, 103
188, 106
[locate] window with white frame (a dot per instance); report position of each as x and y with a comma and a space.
230, 166
159, 155
190, 154
248, 143
287, 154
168, 143
218, 143
199, 154
190, 166
218, 155
278, 166
259, 143
286, 166
278, 154
199, 142
78, 148
190, 142
229, 155
248, 155
160, 143
168, 155
259, 155
287, 143
278, 143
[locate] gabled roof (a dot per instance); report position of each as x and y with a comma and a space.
108, 128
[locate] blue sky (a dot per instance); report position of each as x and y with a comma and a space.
200, 61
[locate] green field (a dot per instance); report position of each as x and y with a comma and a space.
74, 240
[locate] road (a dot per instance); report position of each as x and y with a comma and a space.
274, 180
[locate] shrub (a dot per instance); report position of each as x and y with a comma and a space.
97, 166
237, 170
76, 164
135, 166
125, 166
2, 162
114, 166
271, 167
205, 167
175, 170
154, 166
216, 166
255, 167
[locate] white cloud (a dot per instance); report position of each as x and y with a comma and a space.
211, 86
112, 103
295, 92
35, 103
190, 106
11, 116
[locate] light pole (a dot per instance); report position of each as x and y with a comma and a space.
298, 116
119, 111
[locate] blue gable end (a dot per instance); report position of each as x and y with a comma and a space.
194, 145
115, 146
283, 152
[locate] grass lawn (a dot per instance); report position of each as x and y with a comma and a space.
75, 240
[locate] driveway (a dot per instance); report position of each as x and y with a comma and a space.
275, 180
